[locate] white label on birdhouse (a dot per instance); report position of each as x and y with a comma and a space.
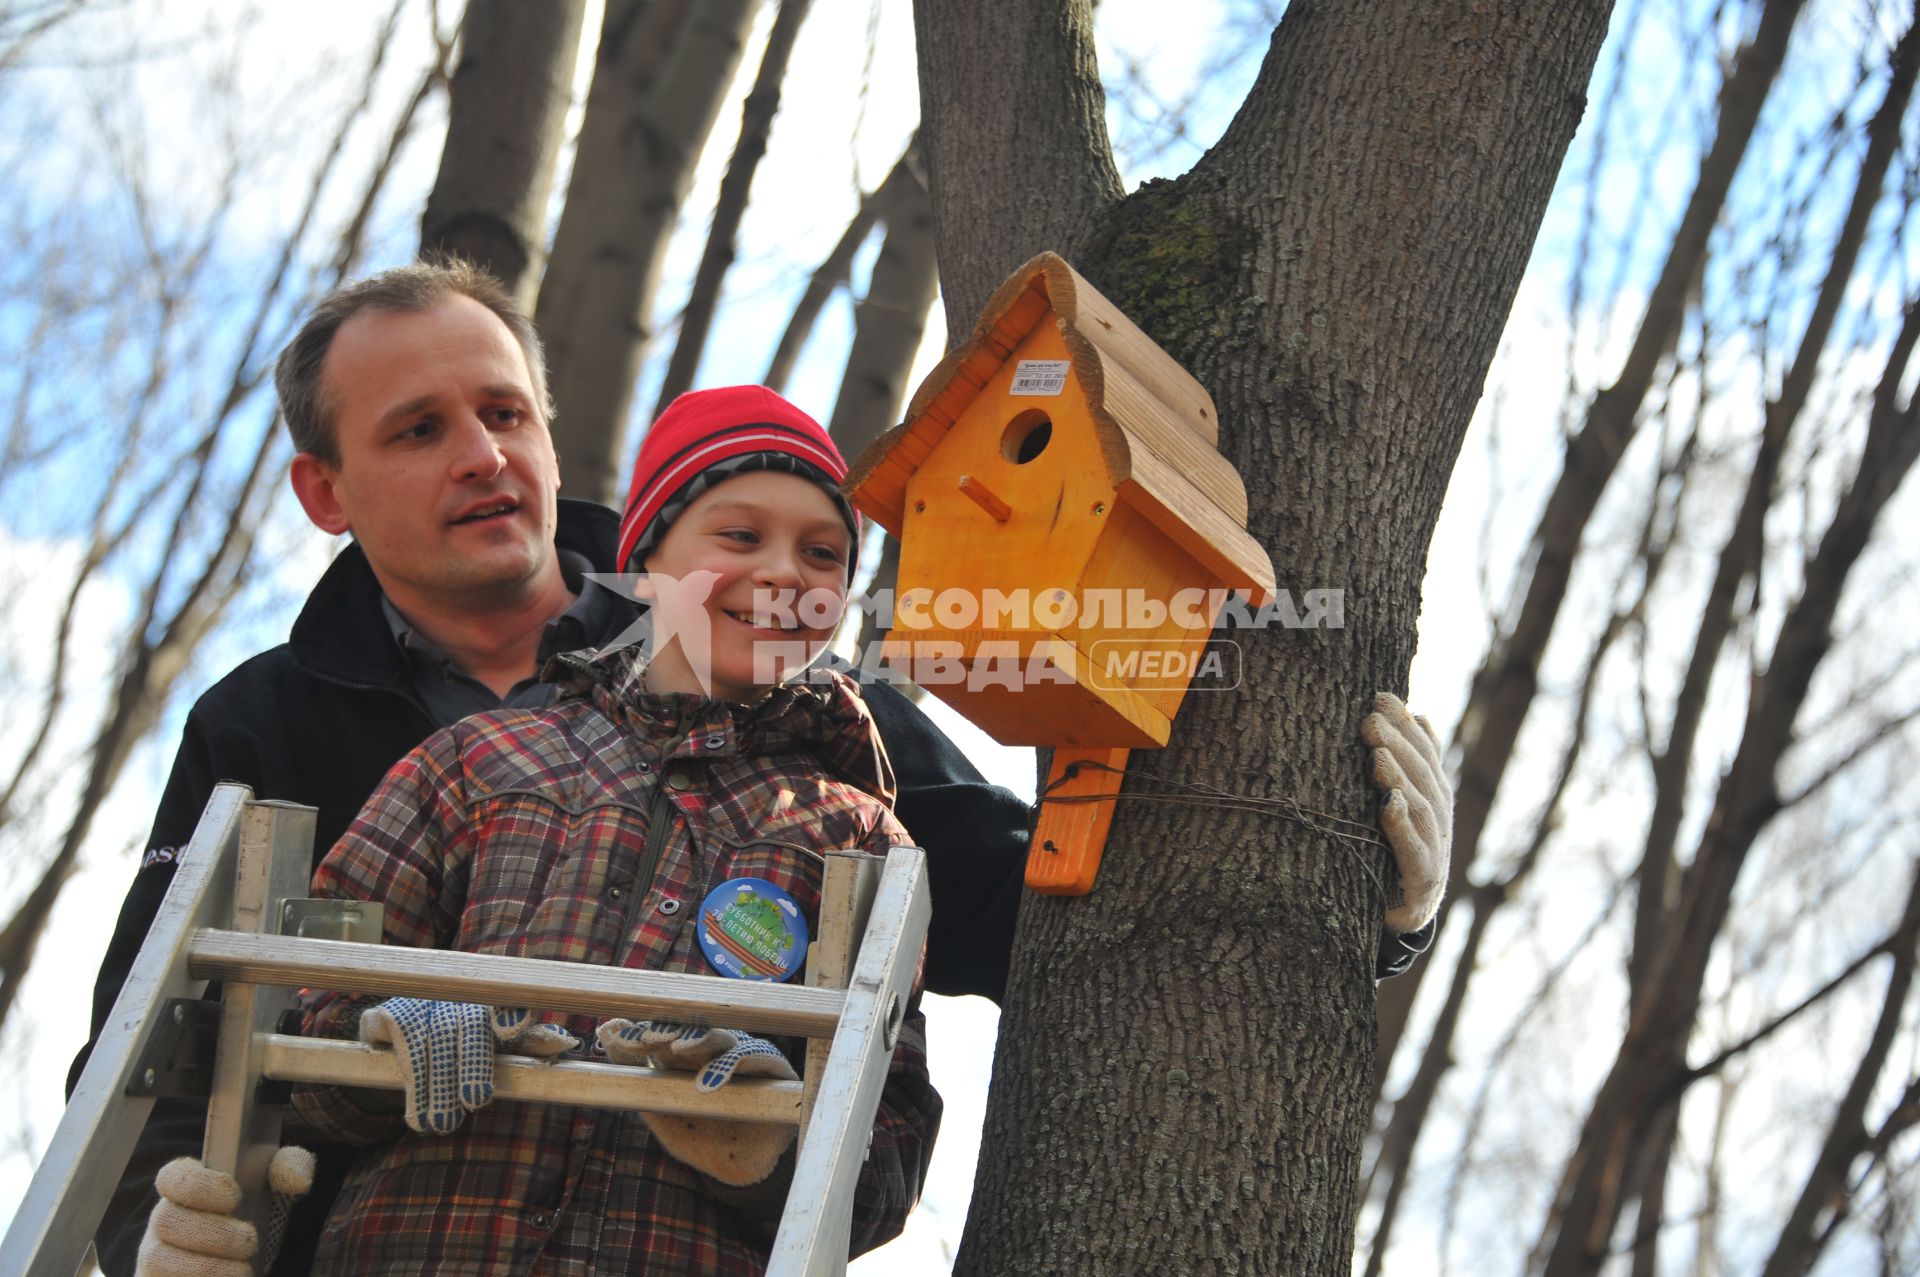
1039, 377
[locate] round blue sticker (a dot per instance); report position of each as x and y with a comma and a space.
751, 929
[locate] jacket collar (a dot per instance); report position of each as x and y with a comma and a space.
822, 714
342, 633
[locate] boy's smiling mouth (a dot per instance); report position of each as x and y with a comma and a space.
773, 624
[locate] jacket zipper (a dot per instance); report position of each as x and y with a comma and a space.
659, 823
389, 689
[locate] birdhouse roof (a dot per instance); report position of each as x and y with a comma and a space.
1156, 426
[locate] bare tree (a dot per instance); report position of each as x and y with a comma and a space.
889, 321
658, 80
1658, 869
1650, 1070
1503, 688
833, 273
1144, 1103
506, 112
756, 121
216, 483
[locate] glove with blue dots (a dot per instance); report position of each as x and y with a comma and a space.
715, 1055
446, 1052
733, 1152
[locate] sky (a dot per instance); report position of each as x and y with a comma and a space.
831, 140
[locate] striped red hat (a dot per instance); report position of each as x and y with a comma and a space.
706, 436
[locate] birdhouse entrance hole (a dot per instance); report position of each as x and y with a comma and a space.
1026, 436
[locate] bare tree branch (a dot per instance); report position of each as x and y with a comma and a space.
756, 122
838, 266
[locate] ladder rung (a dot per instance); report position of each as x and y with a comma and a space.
584, 1083
571, 987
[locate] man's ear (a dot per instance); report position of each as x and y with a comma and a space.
313, 483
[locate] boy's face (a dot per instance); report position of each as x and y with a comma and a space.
752, 580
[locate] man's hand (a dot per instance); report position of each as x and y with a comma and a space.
737, 1153
446, 1052
1417, 814
192, 1232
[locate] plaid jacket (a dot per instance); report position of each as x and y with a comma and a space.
524, 833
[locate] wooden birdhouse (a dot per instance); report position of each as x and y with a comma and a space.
1068, 532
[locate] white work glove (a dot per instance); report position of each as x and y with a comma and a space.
737, 1153
192, 1231
446, 1052
1409, 768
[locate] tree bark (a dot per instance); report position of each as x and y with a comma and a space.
1503, 688
662, 70
506, 114
756, 122
1185, 1053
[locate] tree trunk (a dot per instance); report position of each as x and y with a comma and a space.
1504, 686
658, 80
756, 122
506, 114
1185, 1054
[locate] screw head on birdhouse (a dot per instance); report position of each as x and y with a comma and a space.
1067, 525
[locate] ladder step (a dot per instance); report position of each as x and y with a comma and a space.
248, 860
570, 987
582, 1083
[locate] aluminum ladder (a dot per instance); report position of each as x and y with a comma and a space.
247, 866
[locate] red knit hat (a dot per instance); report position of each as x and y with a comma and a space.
706, 436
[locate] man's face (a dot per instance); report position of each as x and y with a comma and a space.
447, 475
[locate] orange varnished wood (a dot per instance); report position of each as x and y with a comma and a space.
1071, 836
984, 497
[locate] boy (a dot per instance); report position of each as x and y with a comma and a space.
593, 831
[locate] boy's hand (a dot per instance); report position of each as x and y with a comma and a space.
1409, 768
716, 1054
446, 1052
192, 1232
737, 1153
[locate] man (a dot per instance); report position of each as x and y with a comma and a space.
417, 401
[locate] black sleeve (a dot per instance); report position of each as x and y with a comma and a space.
1398, 952
975, 835
196, 770
177, 1127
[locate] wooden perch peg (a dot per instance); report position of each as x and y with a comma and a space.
984, 497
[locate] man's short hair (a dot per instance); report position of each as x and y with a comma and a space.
409, 290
